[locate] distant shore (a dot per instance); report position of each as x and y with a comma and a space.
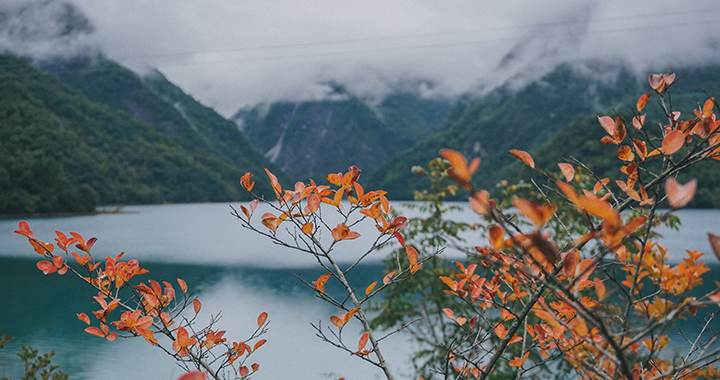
100, 210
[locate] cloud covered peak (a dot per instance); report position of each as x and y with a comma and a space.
45, 29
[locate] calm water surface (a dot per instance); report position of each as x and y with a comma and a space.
232, 270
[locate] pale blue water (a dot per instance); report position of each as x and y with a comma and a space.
233, 270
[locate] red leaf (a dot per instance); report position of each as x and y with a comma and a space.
95, 331
679, 195
523, 156
83, 317
24, 229
47, 267
244, 371
194, 375
400, 238
262, 318
196, 305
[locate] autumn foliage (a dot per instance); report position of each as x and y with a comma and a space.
571, 278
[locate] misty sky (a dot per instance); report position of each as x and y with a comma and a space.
228, 53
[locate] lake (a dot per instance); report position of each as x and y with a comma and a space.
231, 269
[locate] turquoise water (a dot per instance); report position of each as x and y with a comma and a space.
232, 271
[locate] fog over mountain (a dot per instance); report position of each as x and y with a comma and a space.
230, 53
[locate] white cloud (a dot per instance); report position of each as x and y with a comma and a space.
228, 53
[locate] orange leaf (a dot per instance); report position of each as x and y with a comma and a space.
708, 107
600, 209
342, 232
672, 142
567, 170
500, 331
599, 288
313, 203
461, 320
275, 185
460, 171
518, 361
643, 101
307, 228
625, 153
259, 344
247, 182
319, 285
183, 285
270, 221
506, 315
480, 202
715, 244
262, 318
523, 156
370, 288
449, 313
243, 371
607, 140
196, 305
679, 195
363, 341
411, 254
496, 234
336, 321
538, 214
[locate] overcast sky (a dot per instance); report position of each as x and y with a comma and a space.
229, 53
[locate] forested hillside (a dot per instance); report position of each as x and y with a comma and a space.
504, 119
62, 152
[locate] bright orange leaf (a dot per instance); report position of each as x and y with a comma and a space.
319, 284
523, 156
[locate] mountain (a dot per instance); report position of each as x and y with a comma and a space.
317, 137
152, 99
505, 118
60, 151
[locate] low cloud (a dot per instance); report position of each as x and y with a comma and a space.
231, 53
